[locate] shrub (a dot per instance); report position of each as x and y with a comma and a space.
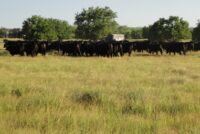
88, 98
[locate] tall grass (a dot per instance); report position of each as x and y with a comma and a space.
100, 95
1, 43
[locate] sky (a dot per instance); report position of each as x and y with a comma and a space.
133, 13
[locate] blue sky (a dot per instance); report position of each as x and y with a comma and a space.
133, 13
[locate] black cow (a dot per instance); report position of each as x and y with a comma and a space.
189, 46
155, 47
54, 46
175, 47
197, 46
104, 48
140, 46
15, 47
72, 48
127, 47
117, 48
31, 48
42, 47
101, 48
87, 48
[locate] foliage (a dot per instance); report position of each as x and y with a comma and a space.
95, 23
125, 30
130, 32
196, 33
3, 32
15, 33
171, 29
145, 32
137, 34
39, 28
10, 33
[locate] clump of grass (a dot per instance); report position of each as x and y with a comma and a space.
16, 92
174, 108
179, 72
135, 96
134, 103
88, 98
136, 109
4, 53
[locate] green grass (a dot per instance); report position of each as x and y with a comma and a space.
138, 94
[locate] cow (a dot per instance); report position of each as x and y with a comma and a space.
140, 46
155, 47
118, 48
15, 47
190, 46
31, 48
175, 47
87, 48
104, 48
72, 48
42, 47
196, 46
127, 47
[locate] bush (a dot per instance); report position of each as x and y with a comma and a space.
88, 98
16, 92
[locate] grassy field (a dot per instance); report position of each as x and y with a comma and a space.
1, 43
138, 94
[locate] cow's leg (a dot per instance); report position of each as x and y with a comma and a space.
63, 53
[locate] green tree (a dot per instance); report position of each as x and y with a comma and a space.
196, 33
15, 33
61, 29
35, 28
145, 32
124, 30
3, 32
171, 29
136, 34
95, 23
39, 28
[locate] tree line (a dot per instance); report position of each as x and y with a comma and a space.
96, 23
10, 33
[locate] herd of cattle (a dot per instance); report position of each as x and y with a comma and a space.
98, 48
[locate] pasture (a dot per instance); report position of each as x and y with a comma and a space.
1, 43
138, 94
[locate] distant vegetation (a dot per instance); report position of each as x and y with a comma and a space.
95, 23
10, 33
196, 33
39, 28
171, 29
